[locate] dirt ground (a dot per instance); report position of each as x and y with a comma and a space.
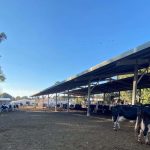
24, 130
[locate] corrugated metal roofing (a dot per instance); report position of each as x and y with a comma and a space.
121, 64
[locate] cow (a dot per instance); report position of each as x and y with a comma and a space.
4, 108
103, 109
123, 112
142, 126
140, 113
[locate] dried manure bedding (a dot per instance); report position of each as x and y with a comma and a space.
24, 130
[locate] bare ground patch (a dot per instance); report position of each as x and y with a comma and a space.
63, 131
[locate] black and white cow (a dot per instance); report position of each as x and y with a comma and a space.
142, 126
120, 112
4, 108
139, 113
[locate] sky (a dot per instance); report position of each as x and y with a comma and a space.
51, 40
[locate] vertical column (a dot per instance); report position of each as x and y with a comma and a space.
134, 91
68, 102
119, 94
88, 100
140, 94
35, 102
63, 103
43, 101
56, 103
104, 97
48, 101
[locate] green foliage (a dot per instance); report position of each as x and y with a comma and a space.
79, 100
109, 97
18, 98
23, 97
126, 96
6, 95
2, 76
2, 36
145, 96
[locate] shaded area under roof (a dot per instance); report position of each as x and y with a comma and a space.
114, 86
121, 64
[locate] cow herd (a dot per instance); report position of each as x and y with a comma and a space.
140, 114
7, 108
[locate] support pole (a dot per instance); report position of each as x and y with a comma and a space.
68, 102
104, 97
56, 103
134, 91
35, 102
48, 101
140, 94
43, 101
88, 100
119, 94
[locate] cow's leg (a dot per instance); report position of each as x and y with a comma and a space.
142, 128
148, 138
137, 128
142, 132
140, 136
116, 124
114, 119
147, 134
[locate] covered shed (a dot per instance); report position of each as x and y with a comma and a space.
129, 62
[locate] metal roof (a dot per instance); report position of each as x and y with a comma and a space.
114, 86
121, 64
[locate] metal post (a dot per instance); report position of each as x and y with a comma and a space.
89, 91
43, 101
140, 93
63, 103
104, 97
56, 103
48, 102
134, 91
64, 96
68, 102
119, 94
34, 102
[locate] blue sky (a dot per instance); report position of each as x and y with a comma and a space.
51, 40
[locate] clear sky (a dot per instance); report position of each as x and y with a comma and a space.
51, 40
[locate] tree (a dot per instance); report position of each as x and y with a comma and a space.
18, 98
2, 77
2, 36
6, 95
145, 96
23, 97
